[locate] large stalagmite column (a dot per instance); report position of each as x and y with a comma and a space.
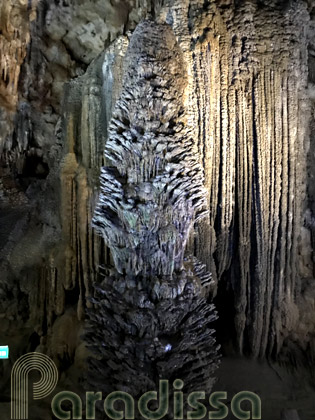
151, 319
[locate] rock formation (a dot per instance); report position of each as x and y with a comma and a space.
249, 103
151, 319
152, 189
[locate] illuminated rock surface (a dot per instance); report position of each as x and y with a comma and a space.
150, 318
250, 69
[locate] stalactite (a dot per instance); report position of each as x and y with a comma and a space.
74, 266
14, 40
250, 127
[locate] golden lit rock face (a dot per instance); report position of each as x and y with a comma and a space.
250, 109
84, 134
15, 19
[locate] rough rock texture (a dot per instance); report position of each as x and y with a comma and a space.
16, 19
150, 318
290, 415
250, 105
139, 339
152, 191
251, 130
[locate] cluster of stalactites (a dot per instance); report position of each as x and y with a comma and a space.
14, 38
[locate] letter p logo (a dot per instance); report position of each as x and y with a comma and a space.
19, 382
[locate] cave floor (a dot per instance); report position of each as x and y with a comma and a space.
278, 388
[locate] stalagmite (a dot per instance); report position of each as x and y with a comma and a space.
151, 319
155, 179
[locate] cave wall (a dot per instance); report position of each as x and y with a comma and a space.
250, 103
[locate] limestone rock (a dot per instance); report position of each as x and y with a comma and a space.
250, 107
290, 415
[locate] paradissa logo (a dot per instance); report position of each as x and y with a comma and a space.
195, 400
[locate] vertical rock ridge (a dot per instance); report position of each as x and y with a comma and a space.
244, 100
15, 19
87, 110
